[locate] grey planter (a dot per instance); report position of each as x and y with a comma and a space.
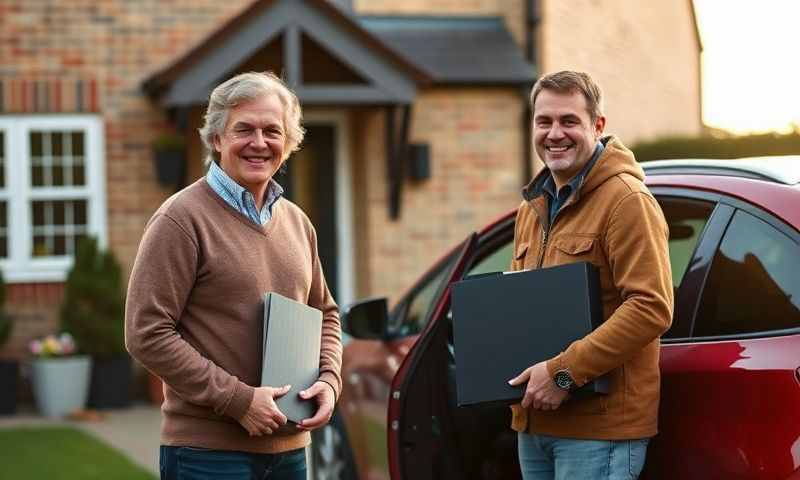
60, 385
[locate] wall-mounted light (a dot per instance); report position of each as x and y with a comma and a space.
419, 161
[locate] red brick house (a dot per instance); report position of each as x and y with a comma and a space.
416, 113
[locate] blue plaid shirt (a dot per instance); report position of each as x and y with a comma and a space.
240, 198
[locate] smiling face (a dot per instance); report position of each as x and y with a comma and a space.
252, 144
564, 134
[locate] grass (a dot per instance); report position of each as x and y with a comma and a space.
62, 453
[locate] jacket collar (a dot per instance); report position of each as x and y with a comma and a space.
614, 160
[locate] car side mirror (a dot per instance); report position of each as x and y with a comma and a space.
367, 319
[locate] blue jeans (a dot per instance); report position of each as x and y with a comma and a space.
551, 458
190, 463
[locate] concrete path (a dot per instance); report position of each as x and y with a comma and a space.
133, 431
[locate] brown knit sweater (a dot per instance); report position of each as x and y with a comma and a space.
194, 312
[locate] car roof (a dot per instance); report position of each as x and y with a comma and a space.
779, 169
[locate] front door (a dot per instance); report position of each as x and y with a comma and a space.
309, 181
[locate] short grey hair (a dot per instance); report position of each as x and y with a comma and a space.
241, 89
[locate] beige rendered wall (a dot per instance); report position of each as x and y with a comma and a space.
645, 56
475, 137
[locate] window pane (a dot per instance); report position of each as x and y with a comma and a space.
59, 245
58, 176
79, 213
78, 176
77, 144
754, 282
40, 248
36, 144
38, 213
57, 225
686, 220
414, 310
56, 144
37, 176
497, 261
58, 213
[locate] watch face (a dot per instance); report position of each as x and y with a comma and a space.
563, 380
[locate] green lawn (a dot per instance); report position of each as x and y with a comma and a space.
62, 453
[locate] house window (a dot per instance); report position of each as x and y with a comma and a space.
52, 192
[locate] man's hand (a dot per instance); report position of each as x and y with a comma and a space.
323, 393
263, 416
541, 392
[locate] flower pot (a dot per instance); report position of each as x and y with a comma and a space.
9, 379
169, 165
60, 385
110, 385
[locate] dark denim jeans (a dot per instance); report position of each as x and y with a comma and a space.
190, 463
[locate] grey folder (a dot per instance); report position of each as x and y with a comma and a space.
504, 323
291, 342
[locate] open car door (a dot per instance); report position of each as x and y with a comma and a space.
429, 436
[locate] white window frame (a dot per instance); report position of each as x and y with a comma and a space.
21, 266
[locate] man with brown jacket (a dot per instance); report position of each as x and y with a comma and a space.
590, 204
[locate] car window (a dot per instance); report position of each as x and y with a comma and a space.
497, 261
686, 219
754, 281
416, 308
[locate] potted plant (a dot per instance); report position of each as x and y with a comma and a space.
60, 379
93, 312
169, 156
9, 368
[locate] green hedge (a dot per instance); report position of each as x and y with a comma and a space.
713, 147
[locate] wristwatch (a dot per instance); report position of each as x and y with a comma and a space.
563, 379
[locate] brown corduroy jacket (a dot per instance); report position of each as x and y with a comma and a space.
613, 221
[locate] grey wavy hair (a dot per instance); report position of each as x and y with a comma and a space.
243, 88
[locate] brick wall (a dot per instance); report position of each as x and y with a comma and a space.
54, 52
645, 56
475, 138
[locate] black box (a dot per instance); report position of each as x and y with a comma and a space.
505, 322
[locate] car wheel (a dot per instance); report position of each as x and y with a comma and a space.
331, 457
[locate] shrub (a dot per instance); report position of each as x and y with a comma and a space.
718, 147
94, 305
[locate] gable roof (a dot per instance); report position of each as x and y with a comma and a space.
395, 55
455, 50
190, 79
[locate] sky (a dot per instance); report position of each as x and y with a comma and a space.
751, 64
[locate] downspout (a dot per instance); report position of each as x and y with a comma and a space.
531, 25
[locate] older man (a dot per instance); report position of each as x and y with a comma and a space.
590, 204
194, 305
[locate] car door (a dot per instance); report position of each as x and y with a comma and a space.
730, 386
431, 438
370, 365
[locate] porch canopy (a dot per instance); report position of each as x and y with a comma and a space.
329, 56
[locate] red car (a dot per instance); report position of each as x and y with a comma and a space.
730, 363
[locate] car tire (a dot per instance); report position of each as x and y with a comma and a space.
331, 456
